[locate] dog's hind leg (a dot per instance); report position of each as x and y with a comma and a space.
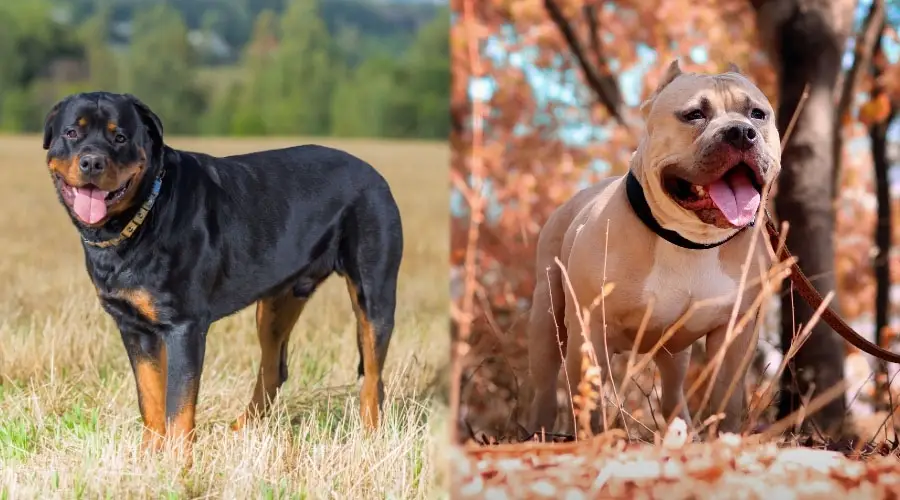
275, 319
672, 373
371, 250
546, 343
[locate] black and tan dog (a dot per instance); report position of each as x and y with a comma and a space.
175, 240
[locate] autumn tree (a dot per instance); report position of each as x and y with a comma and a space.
529, 75
522, 146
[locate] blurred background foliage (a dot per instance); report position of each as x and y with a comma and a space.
351, 68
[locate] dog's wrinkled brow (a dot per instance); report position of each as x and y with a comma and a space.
702, 103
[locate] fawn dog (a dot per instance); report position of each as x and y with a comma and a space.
677, 234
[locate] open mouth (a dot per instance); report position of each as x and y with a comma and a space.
90, 203
735, 196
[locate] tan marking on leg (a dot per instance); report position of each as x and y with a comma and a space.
150, 378
180, 430
368, 395
141, 300
275, 319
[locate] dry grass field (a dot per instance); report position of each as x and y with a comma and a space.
69, 422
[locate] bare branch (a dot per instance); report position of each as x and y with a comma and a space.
881, 263
757, 4
466, 316
604, 85
862, 52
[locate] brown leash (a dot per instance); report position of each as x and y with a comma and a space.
814, 299
802, 283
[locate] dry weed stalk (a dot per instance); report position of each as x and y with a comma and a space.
559, 345
585, 401
475, 198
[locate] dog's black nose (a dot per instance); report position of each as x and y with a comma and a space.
742, 136
91, 164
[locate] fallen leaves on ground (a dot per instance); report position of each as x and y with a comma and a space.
608, 466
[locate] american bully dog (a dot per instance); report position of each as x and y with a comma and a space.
677, 234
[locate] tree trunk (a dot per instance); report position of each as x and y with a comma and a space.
805, 40
882, 269
878, 135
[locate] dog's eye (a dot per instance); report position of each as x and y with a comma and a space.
757, 114
71, 134
694, 115
120, 138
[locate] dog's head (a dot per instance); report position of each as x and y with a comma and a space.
102, 148
710, 147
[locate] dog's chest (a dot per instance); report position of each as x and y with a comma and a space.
680, 277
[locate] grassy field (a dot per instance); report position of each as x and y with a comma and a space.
69, 422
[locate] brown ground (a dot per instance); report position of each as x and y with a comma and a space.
730, 467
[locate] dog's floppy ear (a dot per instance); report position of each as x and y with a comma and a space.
733, 68
48, 122
672, 72
150, 120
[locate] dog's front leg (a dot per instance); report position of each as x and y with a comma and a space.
728, 392
147, 355
185, 349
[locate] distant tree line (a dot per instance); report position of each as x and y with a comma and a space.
350, 68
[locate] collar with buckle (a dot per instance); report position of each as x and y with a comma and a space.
638, 203
135, 222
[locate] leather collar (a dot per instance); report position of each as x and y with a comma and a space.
135, 221
638, 203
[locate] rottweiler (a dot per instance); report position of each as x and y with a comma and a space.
175, 240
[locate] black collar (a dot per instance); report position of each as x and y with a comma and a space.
639, 204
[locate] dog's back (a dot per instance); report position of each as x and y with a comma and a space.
283, 213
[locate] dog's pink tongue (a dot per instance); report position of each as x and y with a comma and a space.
90, 204
736, 198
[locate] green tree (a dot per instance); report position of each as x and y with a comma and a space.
102, 65
306, 69
30, 41
220, 116
161, 68
248, 116
405, 99
428, 79
292, 67
362, 104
